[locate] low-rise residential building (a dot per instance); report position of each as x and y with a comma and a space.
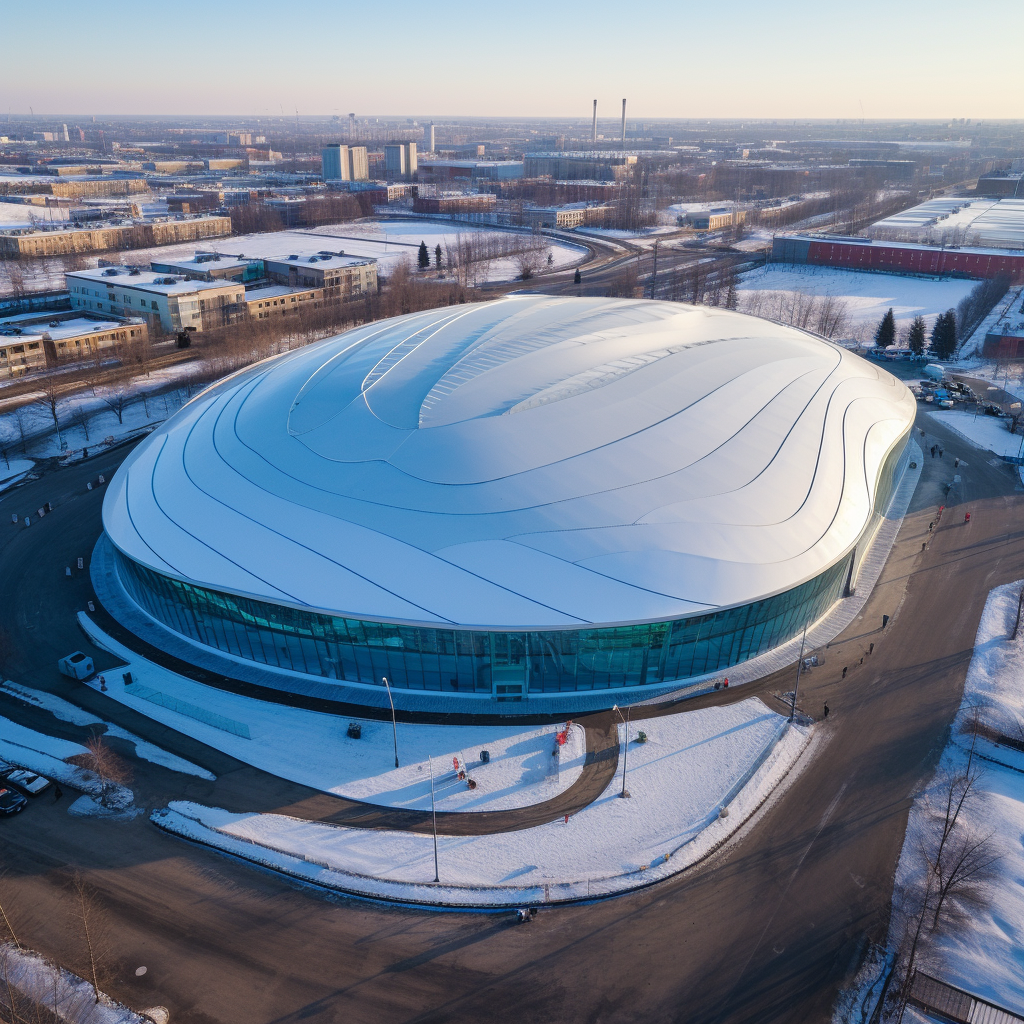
456, 202
272, 300
571, 215
337, 275
212, 266
170, 301
63, 241
34, 341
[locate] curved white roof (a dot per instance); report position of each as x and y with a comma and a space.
530, 462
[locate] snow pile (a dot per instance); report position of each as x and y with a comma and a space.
67, 996
47, 755
982, 431
67, 712
692, 766
315, 749
983, 950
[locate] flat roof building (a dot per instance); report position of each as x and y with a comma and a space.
170, 301
34, 341
400, 160
444, 499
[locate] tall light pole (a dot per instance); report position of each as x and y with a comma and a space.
799, 665
394, 724
625, 746
433, 815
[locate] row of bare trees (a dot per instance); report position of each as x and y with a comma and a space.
826, 315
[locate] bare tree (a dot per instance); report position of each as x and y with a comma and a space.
112, 770
50, 398
117, 394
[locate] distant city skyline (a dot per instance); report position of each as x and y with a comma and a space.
911, 60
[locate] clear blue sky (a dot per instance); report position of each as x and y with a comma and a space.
791, 58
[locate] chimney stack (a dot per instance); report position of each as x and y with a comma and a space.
623, 124
593, 130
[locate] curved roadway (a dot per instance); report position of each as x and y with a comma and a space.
766, 930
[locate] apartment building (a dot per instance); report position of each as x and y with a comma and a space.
170, 301
100, 238
338, 276
35, 341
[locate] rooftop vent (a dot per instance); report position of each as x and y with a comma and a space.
111, 272
293, 257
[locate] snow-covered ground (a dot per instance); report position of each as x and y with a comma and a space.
693, 766
983, 950
86, 420
984, 431
13, 470
390, 240
868, 296
67, 712
314, 749
47, 755
69, 997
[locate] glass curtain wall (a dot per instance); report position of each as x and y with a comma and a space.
476, 661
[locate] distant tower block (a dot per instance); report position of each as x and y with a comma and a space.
352, 125
623, 124
593, 129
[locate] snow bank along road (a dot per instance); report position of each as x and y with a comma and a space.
767, 930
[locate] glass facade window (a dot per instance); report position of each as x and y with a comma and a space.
507, 664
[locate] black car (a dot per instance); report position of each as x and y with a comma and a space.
11, 801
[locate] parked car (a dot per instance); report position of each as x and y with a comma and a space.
11, 801
28, 782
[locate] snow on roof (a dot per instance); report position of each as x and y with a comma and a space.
147, 280
202, 263
271, 291
535, 461
321, 261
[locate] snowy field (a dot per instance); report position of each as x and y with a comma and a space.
982, 951
692, 765
389, 240
868, 296
314, 749
385, 240
989, 432
86, 420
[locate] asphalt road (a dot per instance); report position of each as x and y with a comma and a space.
767, 930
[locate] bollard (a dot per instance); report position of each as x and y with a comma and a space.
102, 479
28, 522
41, 512
67, 571
49, 506
88, 486
81, 563
14, 517
92, 607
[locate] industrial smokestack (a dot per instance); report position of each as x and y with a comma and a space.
593, 130
623, 124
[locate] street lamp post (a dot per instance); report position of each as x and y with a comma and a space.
625, 746
433, 816
394, 724
799, 665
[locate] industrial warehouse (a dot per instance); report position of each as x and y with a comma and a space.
524, 501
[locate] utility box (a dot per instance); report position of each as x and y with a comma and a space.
77, 666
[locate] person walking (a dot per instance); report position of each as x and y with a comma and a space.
826, 710
967, 517
845, 667
940, 452
871, 649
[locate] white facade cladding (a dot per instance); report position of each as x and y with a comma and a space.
534, 467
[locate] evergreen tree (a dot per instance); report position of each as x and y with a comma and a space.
886, 333
916, 336
731, 302
424, 256
437, 256
943, 337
